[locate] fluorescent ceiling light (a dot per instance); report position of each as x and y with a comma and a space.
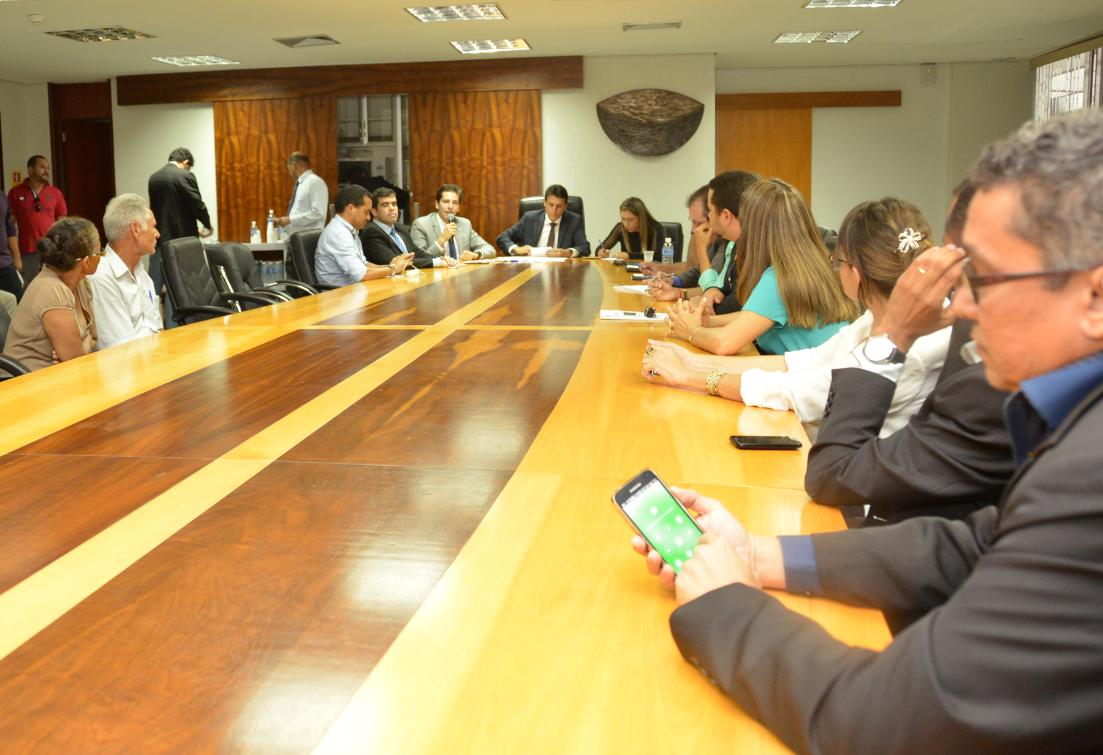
809, 37
478, 46
106, 34
477, 12
652, 27
852, 3
197, 60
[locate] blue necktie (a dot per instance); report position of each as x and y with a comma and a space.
452, 249
398, 240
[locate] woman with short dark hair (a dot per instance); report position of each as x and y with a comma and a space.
54, 321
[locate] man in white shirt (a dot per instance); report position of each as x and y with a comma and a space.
123, 296
339, 259
307, 209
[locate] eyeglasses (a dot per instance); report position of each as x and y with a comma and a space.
97, 253
977, 282
837, 262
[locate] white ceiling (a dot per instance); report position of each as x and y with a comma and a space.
739, 32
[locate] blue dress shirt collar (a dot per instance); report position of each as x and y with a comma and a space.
1044, 402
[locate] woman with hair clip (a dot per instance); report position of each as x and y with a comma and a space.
877, 242
54, 321
635, 232
791, 299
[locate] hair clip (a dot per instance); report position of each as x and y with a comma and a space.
909, 240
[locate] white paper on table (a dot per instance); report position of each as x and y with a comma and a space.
640, 289
527, 258
620, 314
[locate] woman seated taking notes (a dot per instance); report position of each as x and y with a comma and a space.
54, 321
791, 298
877, 242
637, 231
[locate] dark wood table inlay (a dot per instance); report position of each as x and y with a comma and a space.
564, 293
206, 413
426, 305
475, 401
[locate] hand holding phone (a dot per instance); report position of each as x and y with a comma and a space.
653, 511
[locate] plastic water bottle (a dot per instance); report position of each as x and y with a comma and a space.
668, 252
254, 233
270, 228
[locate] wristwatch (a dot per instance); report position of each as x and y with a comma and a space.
881, 350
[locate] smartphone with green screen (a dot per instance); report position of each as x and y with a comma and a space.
660, 519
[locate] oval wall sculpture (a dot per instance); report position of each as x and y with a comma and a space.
649, 121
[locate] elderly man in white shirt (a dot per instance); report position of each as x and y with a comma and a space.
339, 259
123, 297
307, 209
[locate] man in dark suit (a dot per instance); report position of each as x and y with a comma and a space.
384, 239
1007, 652
553, 231
179, 209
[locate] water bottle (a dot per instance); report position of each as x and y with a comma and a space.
668, 253
270, 228
254, 233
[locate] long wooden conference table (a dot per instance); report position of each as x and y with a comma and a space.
376, 520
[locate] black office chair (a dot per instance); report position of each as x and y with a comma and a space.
13, 367
830, 238
304, 244
235, 272
528, 204
673, 231
191, 285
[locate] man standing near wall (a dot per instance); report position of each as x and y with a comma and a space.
178, 206
36, 204
307, 209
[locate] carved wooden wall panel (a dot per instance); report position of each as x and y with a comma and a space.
252, 141
487, 142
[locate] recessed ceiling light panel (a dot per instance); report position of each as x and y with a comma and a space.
652, 27
811, 37
106, 34
852, 3
480, 46
477, 12
196, 60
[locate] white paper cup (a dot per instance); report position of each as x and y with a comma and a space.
649, 255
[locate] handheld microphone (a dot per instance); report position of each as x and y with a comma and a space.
451, 217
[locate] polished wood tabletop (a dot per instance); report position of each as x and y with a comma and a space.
374, 520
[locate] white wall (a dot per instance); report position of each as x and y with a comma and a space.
146, 134
917, 151
25, 120
579, 155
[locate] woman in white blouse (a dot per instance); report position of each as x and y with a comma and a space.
877, 241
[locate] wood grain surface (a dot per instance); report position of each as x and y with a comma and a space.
252, 140
565, 293
488, 143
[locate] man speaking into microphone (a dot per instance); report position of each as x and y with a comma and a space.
444, 234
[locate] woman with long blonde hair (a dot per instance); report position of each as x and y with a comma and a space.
791, 298
637, 230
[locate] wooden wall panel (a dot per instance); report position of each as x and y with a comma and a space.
779, 100
252, 141
487, 142
777, 143
352, 81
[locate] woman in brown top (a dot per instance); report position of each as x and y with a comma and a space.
54, 320
635, 232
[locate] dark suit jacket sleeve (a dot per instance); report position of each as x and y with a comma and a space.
577, 240
377, 247
422, 258
512, 236
195, 199
955, 452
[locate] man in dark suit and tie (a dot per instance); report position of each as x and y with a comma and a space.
1006, 652
554, 231
383, 239
178, 207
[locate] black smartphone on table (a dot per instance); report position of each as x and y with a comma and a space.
765, 442
659, 517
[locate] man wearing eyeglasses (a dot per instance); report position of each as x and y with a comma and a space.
36, 204
1006, 650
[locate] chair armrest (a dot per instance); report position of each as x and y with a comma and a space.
273, 292
180, 314
248, 298
13, 367
306, 288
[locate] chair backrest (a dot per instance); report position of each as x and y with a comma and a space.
830, 238
304, 244
187, 275
528, 204
246, 265
673, 231
225, 269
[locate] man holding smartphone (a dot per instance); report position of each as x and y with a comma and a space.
1006, 649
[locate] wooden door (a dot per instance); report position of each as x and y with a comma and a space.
88, 168
775, 143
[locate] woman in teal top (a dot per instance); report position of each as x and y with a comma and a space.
791, 297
